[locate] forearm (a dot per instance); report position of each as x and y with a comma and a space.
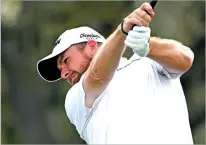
172, 55
108, 56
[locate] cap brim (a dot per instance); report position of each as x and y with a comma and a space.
47, 68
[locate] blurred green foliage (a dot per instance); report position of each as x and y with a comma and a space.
32, 109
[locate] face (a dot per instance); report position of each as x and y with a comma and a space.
74, 62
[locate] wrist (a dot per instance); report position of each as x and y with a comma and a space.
122, 28
119, 32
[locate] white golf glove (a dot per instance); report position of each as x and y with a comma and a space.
138, 40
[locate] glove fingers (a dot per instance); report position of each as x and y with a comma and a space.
138, 35
141, 29
133, 45
136, 41
130, 45
142, 52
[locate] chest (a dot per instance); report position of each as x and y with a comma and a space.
135, 80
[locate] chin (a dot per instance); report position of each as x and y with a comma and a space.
75, 81
69, 82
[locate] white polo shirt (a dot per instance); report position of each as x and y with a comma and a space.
143, 104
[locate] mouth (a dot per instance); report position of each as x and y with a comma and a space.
73, 79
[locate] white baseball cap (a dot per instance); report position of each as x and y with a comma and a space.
47, 67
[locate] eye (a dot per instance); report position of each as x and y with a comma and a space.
65, 60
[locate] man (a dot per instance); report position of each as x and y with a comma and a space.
114, 100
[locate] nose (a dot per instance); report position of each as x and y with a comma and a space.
64, 73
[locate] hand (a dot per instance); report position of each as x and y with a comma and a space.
138, 40
139, 17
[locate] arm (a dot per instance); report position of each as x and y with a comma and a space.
172, 55
105, 62
103, 66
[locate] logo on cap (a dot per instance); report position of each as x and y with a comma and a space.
89, 36
57, 42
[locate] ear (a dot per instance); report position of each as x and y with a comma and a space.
92, 44
91, 48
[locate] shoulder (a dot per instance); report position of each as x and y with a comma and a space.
72, 94
71, 100
75, 96
75, 108
75, 92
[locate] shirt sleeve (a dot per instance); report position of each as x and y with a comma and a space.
163, 71
76, 110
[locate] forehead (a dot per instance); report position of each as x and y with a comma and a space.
67, 52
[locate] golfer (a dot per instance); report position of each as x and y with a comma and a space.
114, 100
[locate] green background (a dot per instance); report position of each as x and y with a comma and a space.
32, 110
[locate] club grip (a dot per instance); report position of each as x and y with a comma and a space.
152, 3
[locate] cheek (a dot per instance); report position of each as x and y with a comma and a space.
84, 64
79, 63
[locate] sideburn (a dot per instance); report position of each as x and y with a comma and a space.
87, 59
82, 50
